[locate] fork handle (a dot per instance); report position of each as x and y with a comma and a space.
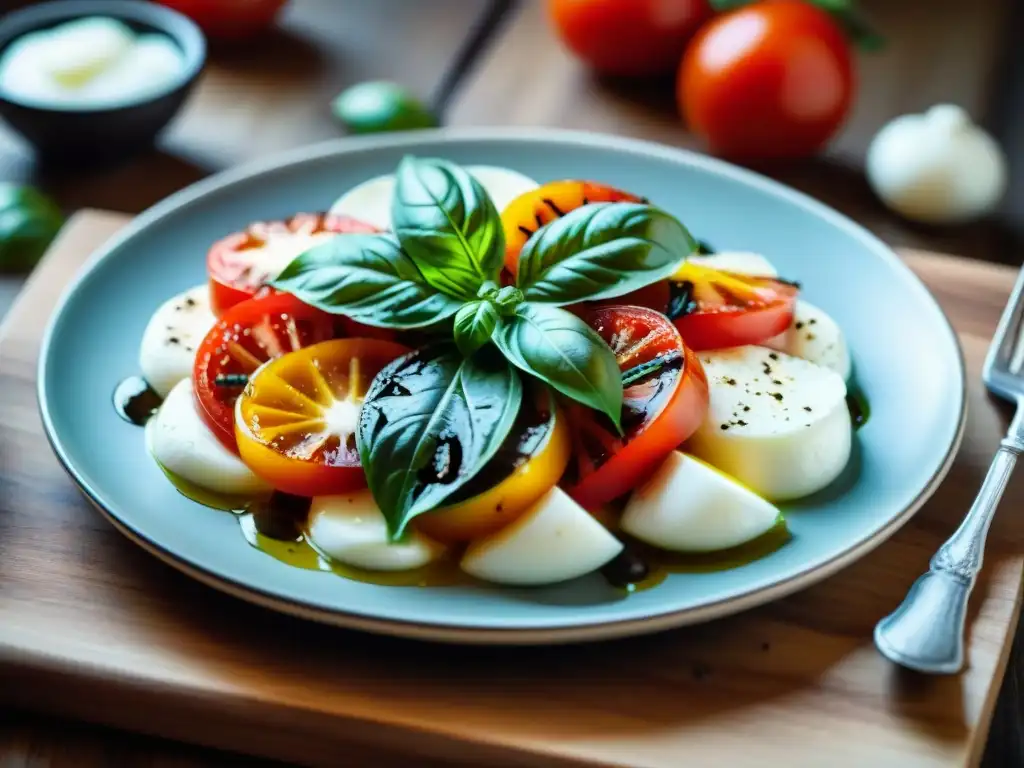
926, 632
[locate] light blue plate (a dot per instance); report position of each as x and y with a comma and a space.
905, 354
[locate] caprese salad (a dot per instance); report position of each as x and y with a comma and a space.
523, 380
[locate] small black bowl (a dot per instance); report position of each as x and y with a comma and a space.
91, 135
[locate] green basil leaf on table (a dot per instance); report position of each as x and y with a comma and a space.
29, 221
448, 225
378, 106
474, 325
367, 278
557, 347
600, 251
429, 423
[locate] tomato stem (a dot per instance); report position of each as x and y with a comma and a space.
844, 12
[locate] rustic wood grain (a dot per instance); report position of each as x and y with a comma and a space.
270, 94
96, 629
941, 51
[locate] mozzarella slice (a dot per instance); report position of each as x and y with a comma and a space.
740, 262
184, 445
777, 423
371, 200
814, 336
554, 540
169, 342
351, 529
689, 506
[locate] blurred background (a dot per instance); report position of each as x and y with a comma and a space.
906, 115
276, 75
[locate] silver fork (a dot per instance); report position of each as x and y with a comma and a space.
926, 632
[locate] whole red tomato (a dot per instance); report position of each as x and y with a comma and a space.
229, 19
771, 80
628, 37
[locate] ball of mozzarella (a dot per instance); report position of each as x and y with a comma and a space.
168, 347
554, 540
79, 50
776, 423
184, 445
351, 529
690, 506
938, 166
371, 200
147, 67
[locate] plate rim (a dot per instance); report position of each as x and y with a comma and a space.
443, 631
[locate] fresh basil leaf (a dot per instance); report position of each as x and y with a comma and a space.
474, 324
559, 348
600, 251
367, 278
430, 421
448, 224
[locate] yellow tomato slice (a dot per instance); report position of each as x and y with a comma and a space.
529, 463
296, 420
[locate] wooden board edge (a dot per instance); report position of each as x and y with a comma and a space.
260, 729
978, 740
62, 261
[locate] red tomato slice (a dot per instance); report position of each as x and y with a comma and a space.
665, 399
241, 263
296, 420
714, 309
532, 210
245, 337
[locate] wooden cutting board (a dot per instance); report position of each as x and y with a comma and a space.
94, 628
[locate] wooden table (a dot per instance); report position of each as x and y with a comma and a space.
520, 78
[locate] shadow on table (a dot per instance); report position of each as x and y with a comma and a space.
129, 187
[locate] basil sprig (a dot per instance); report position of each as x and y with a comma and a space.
433, 419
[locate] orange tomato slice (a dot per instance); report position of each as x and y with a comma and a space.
296, 420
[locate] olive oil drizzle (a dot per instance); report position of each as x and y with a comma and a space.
642, 566
301, 553
277, 524
271, 525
